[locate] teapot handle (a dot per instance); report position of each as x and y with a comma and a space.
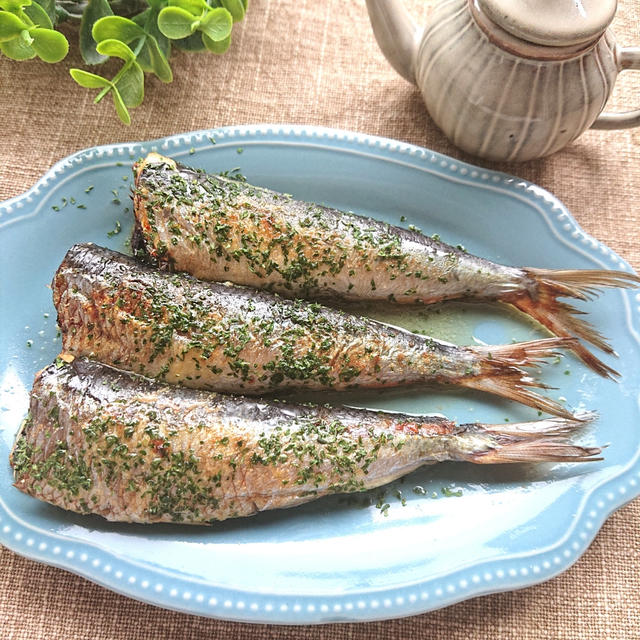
629, 58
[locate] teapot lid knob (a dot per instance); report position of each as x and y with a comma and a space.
551, 22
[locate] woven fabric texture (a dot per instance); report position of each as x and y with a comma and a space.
316, 63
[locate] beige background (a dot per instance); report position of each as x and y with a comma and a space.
311, 62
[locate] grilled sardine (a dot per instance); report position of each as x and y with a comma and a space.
227, 338
98, 440
217, 228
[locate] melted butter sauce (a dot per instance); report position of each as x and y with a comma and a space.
462, 323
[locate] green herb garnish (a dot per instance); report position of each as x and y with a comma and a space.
116, 230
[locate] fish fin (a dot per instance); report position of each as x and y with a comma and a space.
502, 373
561, 318
539, 441
549, 426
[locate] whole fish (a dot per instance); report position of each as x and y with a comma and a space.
98, 440
227, 338
219, 228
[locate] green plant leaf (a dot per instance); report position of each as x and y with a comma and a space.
148, 20
130, 85
157, 60
89, 80
116, 28
163, 42
157, 4
193, 43
176, 23
116, 49
14, 5
49, 45
17, 49
25, 35
38, 15
195, 7
141, 18
10, 26
236, 8
50, 7
95, 10
121, 110
144, 59
216, 46
216, 24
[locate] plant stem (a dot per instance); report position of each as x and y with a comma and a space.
120, 73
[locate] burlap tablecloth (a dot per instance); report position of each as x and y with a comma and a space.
309, 62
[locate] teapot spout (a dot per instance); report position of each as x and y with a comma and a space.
396, 33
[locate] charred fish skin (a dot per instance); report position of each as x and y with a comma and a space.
227, 338
218, 228
102, 441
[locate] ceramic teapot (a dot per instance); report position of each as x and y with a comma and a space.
509, 80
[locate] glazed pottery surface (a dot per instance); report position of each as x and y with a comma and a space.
497, 95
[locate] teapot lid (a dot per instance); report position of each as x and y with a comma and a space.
551, 22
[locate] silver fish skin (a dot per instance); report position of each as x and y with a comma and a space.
223, 337
98, 440
218, 228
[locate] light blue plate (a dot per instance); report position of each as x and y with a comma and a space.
338, 559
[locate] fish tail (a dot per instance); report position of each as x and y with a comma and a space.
562, 319
502, 372
539, 441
